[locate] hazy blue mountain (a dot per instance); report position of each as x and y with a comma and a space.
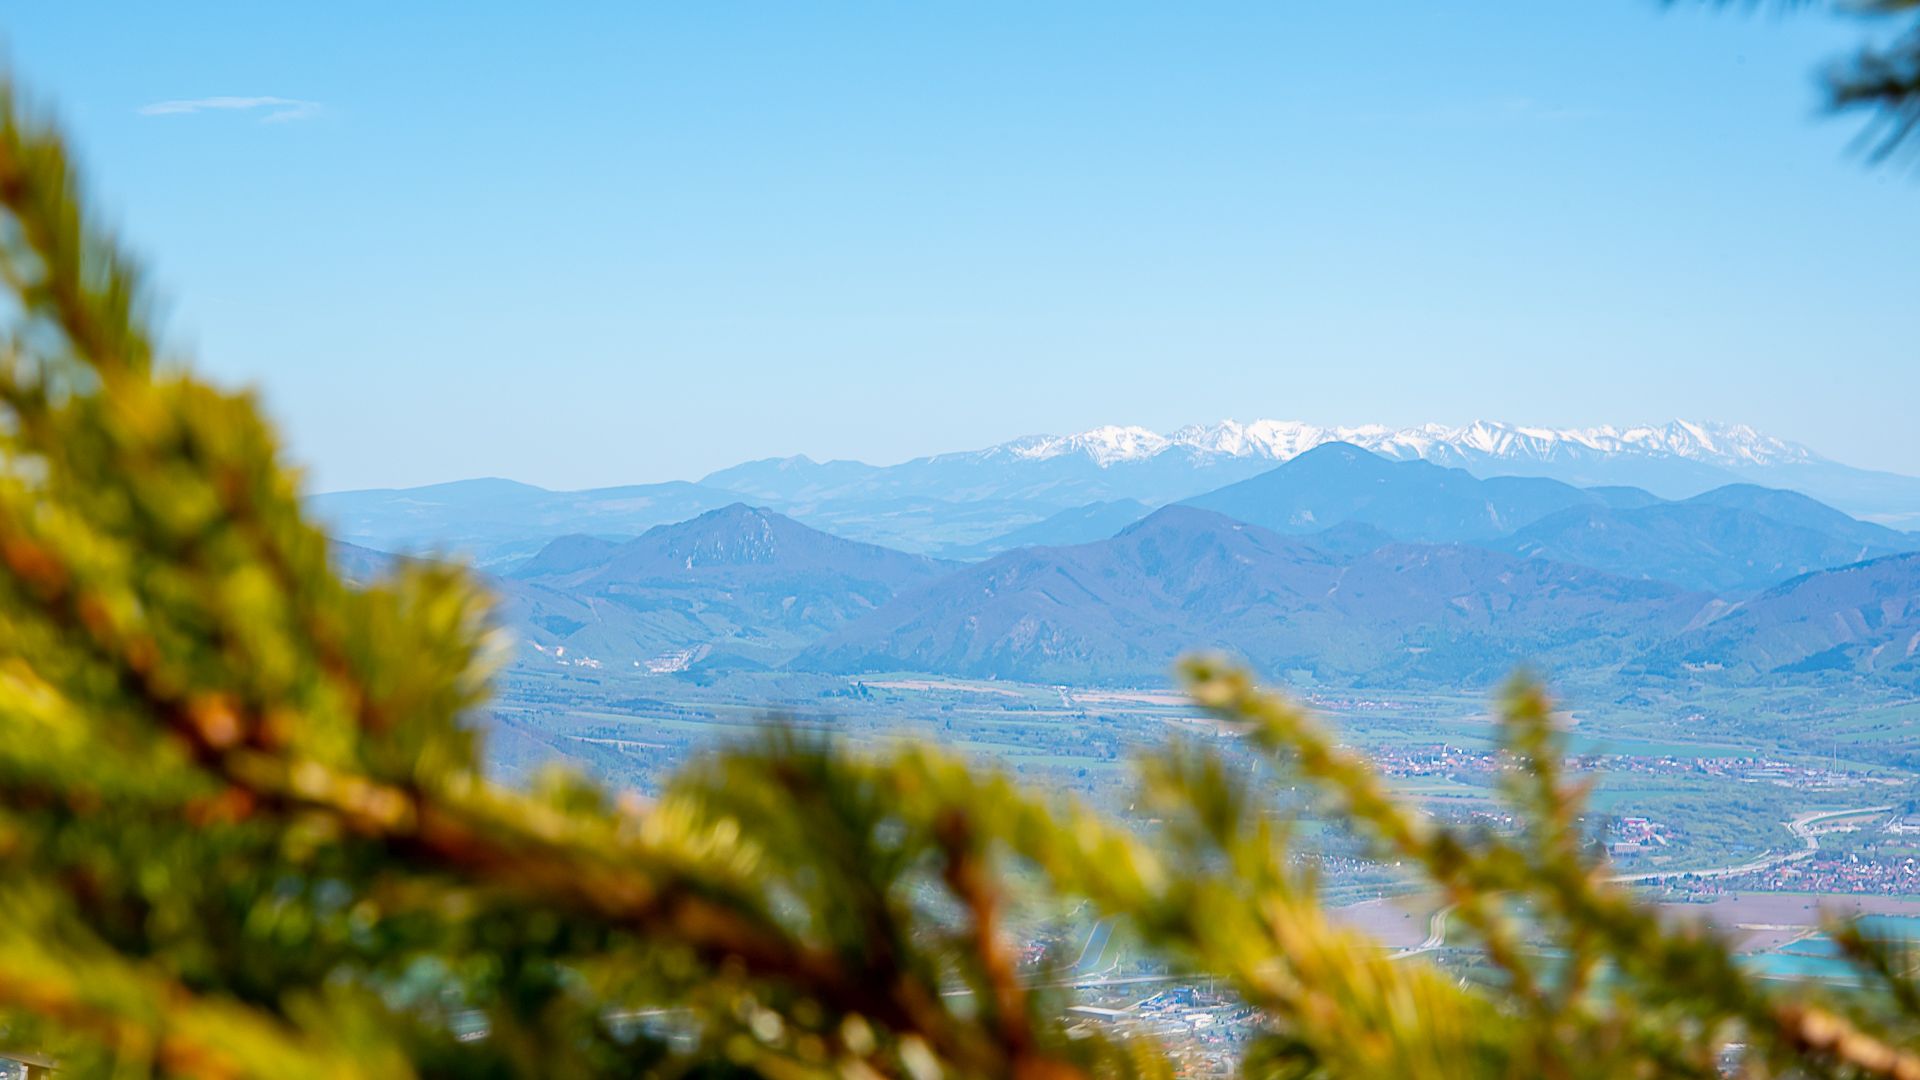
1349, 604
1674, 460
737, 582
1883, 496
1122, 609
1349, 539
1794, 508
567, 555
736, 543
496, 521
359, 565
1001, 473
793, 479
1079, 525
1699, 546
963, 503
1623, 498
1337, 483
1862, 619
921, 524
1118, 608
1734, 539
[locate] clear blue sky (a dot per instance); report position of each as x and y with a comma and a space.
604, 243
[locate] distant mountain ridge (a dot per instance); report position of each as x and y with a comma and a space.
1337, 483
1675, 460
1121, 610
494, 521
1729, 540
1732, 540
740, 582
1862, 619
1377, 572
962, 504
1075, 525
736, 543
1722, 445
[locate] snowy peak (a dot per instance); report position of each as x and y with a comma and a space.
1105, 445
1734, 445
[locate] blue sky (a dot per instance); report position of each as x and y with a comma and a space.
620, 243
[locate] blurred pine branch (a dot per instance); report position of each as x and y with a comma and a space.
244, 832
1881, 79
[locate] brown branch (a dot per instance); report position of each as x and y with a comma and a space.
973, 883
165, 1042
1820, 1033
496, 849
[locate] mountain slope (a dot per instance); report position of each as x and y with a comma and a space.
737, 581
1185, 578
1078, 525
1794, 508
1862, 619
961, 503
1735, 539
1339, 483
1698, 545
1117, 608
359, 565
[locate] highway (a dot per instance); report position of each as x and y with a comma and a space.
1436, 934
1801, 827
1094, 949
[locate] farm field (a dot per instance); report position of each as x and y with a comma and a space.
1675, 786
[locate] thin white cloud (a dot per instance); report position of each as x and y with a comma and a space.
279, 110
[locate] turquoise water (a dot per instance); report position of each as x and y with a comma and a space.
1893, 927
1581, 743
1817, 957
1777, 965
1818, 945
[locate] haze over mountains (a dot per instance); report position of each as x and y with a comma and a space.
966, 505
1122, 609
1410, 500
761, 584
1100, 557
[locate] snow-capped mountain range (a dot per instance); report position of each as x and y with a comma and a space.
1721, 445
950, 504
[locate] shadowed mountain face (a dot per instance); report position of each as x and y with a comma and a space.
1862, 619
1697, 544
738, 581
1376, 572
735, 544
358, 565
1735, 539
1793, 508
1125, 608
1338, 483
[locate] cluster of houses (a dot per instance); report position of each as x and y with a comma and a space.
1849, 873
1203, 1032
